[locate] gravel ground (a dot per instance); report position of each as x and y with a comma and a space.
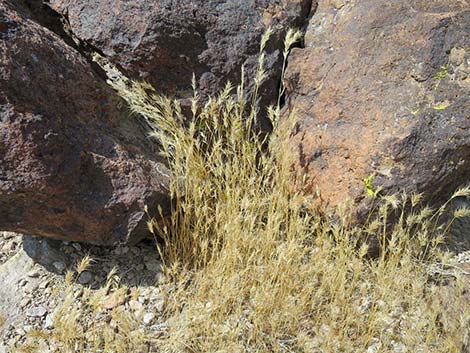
32, 271
32, 274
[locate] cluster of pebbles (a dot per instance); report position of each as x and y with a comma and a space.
9, 245
33, 274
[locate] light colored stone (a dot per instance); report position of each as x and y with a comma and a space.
113, 300
160, 305
34, 273
135, 305
375, 346
398, 347
44, 284
25, 302
148, 318
49, 322
31, 287
59, 266
38, 311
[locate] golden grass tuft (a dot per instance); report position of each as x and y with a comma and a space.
252, 267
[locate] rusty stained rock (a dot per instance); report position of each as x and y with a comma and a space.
382, 88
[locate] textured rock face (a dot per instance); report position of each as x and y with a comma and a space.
73, 166
382, 88
165, 41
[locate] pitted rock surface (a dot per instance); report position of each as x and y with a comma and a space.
73, 165
164, 42
382, 88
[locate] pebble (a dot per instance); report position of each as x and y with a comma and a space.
31, 287
59, 266
44, 284
33, 273
113, 300
49, 323
160, 305
25, 302
135, 305
85, 277
78, 293
148, 317
398, 347
38, 311
375, 346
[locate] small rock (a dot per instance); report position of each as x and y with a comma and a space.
38, 311
44, 284
49, 323
160, 305
34, 273
375, 346
78, 293
77, 246
113, 300
31, 287
59, 266
148, 318
135, 305
25, 302
85, 277
398, 347
8, 235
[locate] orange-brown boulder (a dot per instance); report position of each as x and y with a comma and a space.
382, 89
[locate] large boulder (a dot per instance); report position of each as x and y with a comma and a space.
165, 41
382, 89
72, 165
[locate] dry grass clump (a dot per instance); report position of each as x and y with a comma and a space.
252, 267
91, 321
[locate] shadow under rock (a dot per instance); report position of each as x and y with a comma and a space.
136, 265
